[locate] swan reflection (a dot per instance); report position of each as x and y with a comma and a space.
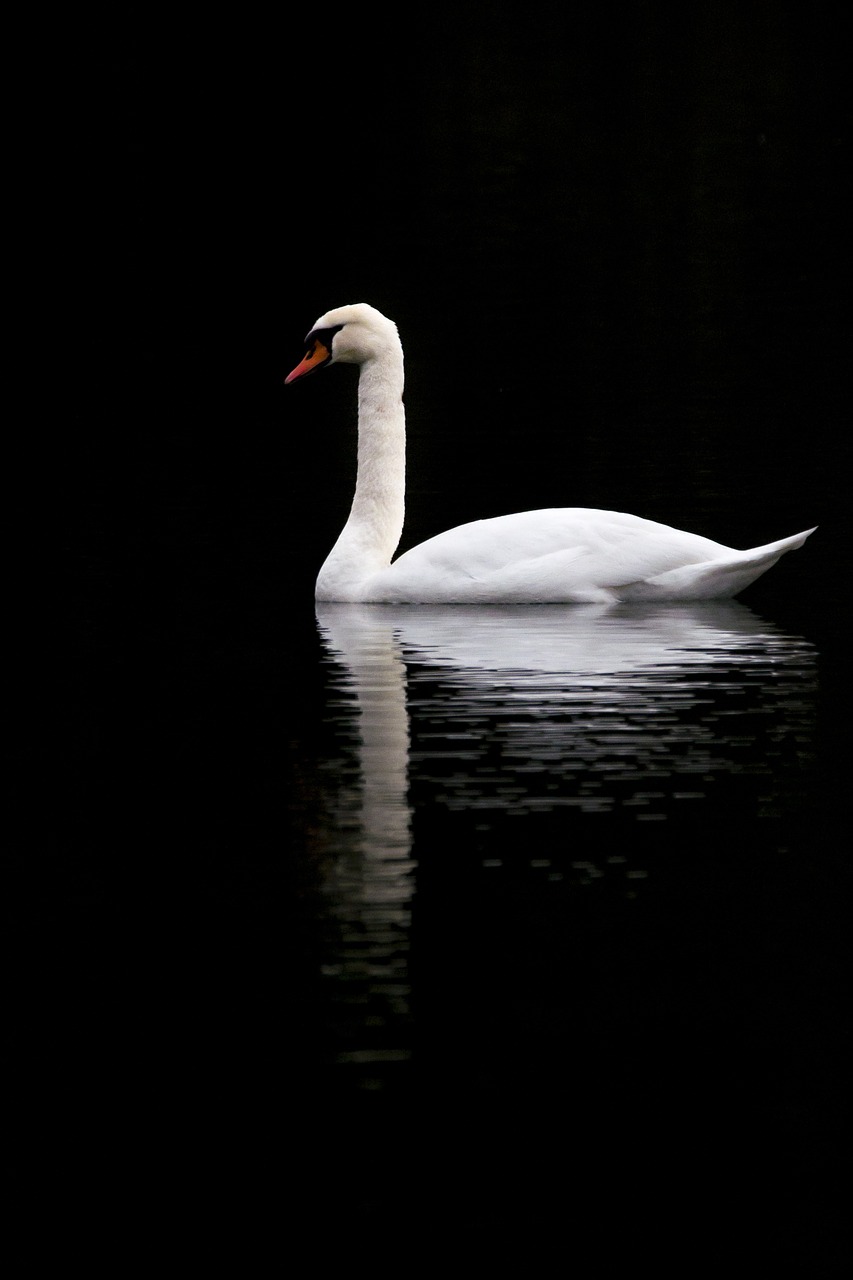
470, 718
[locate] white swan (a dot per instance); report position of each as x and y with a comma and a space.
560, 555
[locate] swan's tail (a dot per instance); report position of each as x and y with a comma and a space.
715, 579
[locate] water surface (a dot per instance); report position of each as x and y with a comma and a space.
581, 757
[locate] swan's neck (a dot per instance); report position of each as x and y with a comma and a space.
372, 532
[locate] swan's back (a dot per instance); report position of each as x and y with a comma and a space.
569, 554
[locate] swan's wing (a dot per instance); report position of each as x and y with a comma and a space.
556, 554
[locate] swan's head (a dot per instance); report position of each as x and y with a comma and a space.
350, 335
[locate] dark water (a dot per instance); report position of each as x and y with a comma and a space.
565, 753
409, 927
570, 890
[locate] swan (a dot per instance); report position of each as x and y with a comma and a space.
555, 556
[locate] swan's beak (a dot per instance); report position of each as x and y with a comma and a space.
314, 359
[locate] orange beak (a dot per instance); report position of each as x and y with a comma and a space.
315, 359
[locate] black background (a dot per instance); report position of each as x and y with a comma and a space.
615, 246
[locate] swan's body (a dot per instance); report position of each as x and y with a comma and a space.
559, 555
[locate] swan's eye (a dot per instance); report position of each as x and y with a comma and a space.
325, 335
